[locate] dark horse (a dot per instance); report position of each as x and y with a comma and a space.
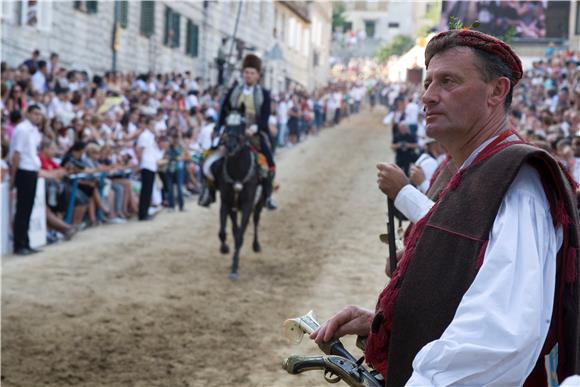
240, 189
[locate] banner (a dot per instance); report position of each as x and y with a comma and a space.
521, 19
37, 230
6, 229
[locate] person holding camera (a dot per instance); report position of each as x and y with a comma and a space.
405, 147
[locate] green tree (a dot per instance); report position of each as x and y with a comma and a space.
338, 19
398, 46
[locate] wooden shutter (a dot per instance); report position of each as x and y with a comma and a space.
192, 37
92, 6
124, 14
147, 18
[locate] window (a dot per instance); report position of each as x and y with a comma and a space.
124, 13
86, 6
393, 25
577, 17
306, 41
290, 34
29, 13
370, 28
283, 28
171, 36
275, 30
262, 10
35, 14
192, 39
147, 25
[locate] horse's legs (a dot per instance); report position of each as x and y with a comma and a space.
257, 211
236, 258
246, 213
224, 249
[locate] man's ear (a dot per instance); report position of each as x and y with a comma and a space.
500, 88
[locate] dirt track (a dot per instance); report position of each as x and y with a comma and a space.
149, 304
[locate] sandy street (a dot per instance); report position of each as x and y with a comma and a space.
149, 304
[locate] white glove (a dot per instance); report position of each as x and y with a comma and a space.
253, 129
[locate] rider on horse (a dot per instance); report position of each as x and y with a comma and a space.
256, 102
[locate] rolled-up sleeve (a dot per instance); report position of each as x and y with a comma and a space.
412, 203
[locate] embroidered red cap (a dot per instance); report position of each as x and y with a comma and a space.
481, 41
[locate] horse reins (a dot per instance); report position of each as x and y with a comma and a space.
239, 185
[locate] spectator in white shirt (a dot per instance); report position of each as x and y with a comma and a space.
61, 107
147, 152
204, 139
191, 102
282, 113
422, 171
39, 78
412, 116
576, 148
24, 175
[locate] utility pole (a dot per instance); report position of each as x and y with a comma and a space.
204, 46
230, 67
115, 44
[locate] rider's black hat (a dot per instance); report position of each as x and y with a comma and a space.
252, 61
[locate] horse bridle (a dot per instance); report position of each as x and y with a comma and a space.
239, 185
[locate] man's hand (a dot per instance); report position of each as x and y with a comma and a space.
251, 130
388, 263
352, 320
14, 168
416, 175
391, 179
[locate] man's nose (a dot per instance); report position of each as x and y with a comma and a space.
430, 96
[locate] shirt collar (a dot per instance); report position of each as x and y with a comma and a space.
476, 152
248, 89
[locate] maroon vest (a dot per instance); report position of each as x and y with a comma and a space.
445, 255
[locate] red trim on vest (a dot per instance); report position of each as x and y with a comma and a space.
439, 169
479, 260
466, 236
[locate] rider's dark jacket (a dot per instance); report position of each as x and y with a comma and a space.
262, 103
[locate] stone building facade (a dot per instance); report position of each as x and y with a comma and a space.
164, 36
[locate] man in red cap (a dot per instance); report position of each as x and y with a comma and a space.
488, 280
256, 101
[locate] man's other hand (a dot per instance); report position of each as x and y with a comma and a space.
352, 320
391, 179
416, 175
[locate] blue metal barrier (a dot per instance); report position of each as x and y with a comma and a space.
100, 176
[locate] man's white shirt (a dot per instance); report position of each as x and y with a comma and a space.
26, 141
576, 170
282, 112
39, 82
412, 113
204, 138
429, 165
191, 101
502, 321
150, 153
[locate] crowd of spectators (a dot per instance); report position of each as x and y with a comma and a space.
545, 110
92, 130
99, 131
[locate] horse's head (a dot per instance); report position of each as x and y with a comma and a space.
235, 131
